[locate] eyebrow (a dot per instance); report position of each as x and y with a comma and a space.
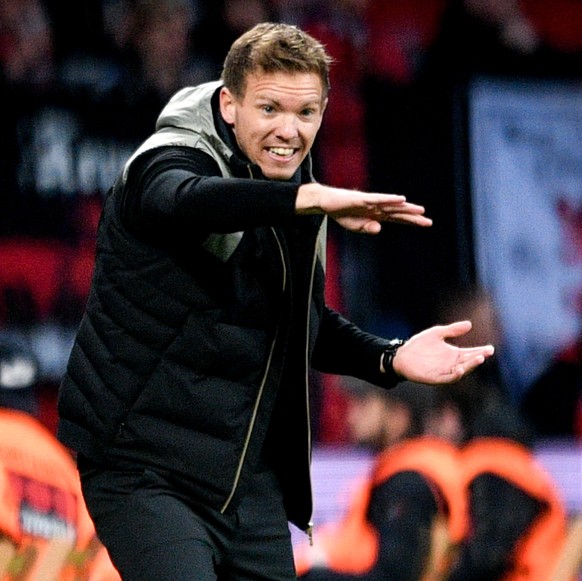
277, 103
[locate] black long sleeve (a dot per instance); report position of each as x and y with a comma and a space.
180, 187
342, 348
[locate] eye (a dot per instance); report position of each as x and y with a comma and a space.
308, 112
267, 109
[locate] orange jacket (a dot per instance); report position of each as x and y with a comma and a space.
351, 546
539, 548
45, 529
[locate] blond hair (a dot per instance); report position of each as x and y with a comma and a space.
274, 47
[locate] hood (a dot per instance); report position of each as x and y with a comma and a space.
187, 120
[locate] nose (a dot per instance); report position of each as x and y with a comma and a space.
287, 128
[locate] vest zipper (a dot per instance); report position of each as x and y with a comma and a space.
309, 529
263, 381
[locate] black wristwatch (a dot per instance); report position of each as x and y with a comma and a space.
389, 352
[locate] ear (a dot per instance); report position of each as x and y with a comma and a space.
227, 105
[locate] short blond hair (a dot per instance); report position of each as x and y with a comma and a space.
274, 47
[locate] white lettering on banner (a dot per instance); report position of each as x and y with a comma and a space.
58, 159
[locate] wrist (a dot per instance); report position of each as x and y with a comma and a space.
308, 199
387, 357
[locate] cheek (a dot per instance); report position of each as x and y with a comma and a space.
250, 132
310, 134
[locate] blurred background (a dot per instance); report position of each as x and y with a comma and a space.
472, 108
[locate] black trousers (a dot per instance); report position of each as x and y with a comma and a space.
154, 533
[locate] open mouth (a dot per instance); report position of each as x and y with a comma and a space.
282, 151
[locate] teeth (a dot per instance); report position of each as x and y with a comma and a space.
285, 151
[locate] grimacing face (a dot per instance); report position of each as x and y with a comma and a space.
277, 119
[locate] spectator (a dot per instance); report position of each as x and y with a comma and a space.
19, 374
477, 304
557, 24
226, 20
398, 37
411, 499
517, 518
158, 56
421, 56
46, 530
28, 80
554, 402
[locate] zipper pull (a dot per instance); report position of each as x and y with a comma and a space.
309, 533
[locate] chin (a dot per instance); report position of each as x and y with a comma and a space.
278, 172
278, 175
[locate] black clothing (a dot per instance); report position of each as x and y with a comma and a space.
553, 403
206, 311
501, 514
401, 509
180, 540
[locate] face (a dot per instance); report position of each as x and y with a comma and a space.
276, 121
365, 421
446, 423
376, 422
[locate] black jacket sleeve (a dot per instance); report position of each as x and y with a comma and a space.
343, 348
181, 187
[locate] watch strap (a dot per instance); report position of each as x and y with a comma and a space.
389, 353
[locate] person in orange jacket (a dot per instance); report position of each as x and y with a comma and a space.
45, 529
388, 530
517, 517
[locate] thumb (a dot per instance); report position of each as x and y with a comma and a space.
372, 227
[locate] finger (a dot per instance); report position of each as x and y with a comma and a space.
469, 362
485, 350
360, 225
414, 219
384, 200
459, 370
403, 207
371, 227
456, 329
469, 365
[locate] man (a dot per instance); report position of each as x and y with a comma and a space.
517, 519
185, 395
45, 530
409, 513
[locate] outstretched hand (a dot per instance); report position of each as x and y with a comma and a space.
359, 211
428, 358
